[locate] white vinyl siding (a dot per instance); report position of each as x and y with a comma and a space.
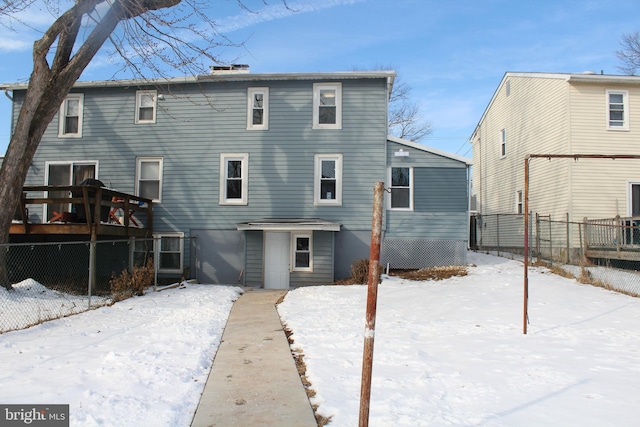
70, 116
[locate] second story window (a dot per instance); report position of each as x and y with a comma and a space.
328, 179
327, 106
234, 175
258, 108
617, 110
401, 179
146, 106
70, 123
149, 178
503, 143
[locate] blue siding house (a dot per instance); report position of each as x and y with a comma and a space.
272, 173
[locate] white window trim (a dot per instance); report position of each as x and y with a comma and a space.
139, 94
158, 245
139, 160
317, 175
62, 116
316, 105
519, 202
503, 143
265, 108
625, 114
630, 183
224, 158
411, 185
293, 251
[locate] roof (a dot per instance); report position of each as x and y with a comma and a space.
585, 77
424, 148
337, 75
289, 224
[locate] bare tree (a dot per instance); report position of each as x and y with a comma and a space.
150, 36
629, 55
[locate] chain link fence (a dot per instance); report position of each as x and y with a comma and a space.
54, 280
575, 248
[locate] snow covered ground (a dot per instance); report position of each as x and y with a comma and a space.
452, 353
447, 353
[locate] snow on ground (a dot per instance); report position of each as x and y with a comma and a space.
452, 353
141, 362
447, 353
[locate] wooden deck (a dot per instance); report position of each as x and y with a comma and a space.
613, 238
110, 213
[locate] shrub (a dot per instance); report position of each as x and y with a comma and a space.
360, 271
128, 284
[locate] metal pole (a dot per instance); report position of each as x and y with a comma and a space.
372, 297
525, 314
92, 267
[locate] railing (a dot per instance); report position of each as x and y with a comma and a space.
90, 205
614, 233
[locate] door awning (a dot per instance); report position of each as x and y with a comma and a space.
289, 224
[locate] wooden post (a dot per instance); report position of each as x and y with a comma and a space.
372, 297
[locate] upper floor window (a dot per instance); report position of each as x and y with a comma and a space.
328, 179
258, 108
519, 202
327, 106
302, 253
149, 178
234, 175
503, 143
146, 106
70, 116
618, 110
401, 179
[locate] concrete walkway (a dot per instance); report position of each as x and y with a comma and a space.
254, 380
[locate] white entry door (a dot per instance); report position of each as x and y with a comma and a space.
276, 260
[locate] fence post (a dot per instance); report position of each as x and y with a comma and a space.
92, 267
530, 234
372, 297
538, 236
567, 257
498, 232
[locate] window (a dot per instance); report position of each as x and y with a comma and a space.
401, 188
149, 178
234, 175
633, 198
146, 106
519, 202
258, 108
166, 248
70, 116
503, 143
66, 173
302, 254
328, 179
618, 110
327, 106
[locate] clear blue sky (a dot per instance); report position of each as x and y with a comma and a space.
452, 53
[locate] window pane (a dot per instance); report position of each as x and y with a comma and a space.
328, 190
328, 169
234, 189
71, 125
234, 169
400, 177
400, 198
170, 244
169, 261
327, 115
73, 107
302, 244
149, 170
302, 259
82, 172
146, 100
145, 114
615, 98
258, 117
258, 100
616, 115
327, 97
150, 189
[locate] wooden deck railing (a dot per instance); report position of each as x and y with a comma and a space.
91, 206
617, 233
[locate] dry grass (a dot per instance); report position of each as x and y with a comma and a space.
432, 273
302, 371
128, 284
